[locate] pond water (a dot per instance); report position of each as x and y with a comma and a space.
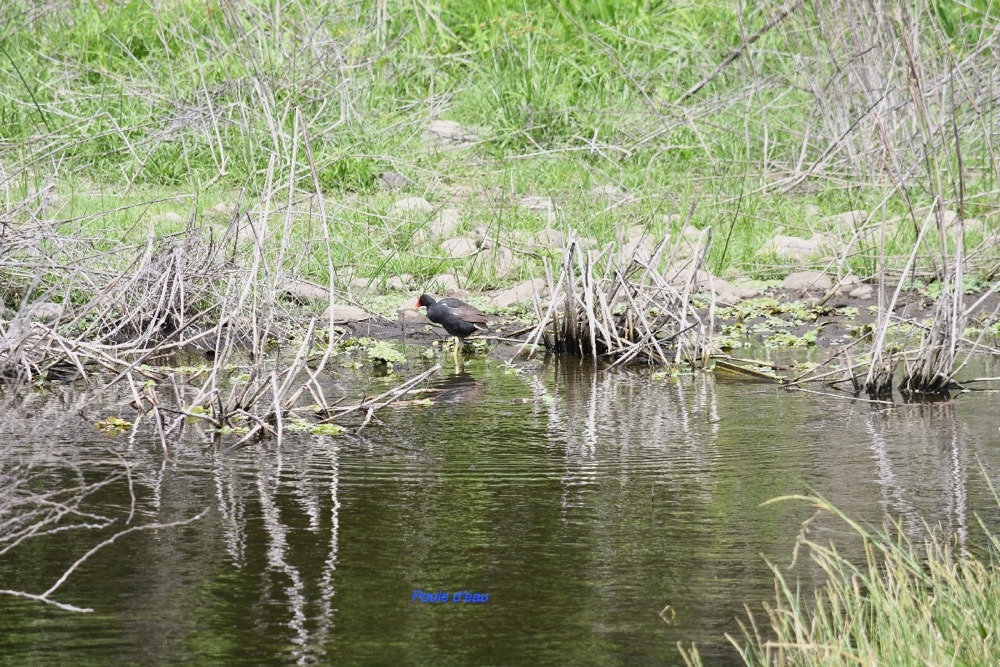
566, 506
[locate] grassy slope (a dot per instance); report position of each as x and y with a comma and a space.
195, 102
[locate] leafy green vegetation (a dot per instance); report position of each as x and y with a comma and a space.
768, 320
113, 425
384, 353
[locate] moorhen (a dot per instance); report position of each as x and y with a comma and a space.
457, 317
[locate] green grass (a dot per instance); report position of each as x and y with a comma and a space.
198, 102
909, 603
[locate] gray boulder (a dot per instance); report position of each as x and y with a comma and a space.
523, 291
345, 314
801, 281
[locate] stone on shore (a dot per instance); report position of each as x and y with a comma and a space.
346, 314
523, 291
801, 281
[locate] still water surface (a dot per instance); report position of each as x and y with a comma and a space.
581, 502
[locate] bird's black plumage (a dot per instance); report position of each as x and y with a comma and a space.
457, 317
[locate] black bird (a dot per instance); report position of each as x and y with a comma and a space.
457, 317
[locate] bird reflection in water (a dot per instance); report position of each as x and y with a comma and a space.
459, 387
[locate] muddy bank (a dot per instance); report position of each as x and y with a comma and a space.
775, 318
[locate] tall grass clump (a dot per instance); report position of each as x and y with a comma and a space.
628, 306
908, 603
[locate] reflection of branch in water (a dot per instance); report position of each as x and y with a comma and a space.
922, 464
231, 508
45, 494
45, 597
370, 405
460, 387
645, 421
296, 472
890, 490
277, 553
29, 514
324, 622
293, 475
959, 487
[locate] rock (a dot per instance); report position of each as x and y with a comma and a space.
706, 283
848, 284
462, 246
303, 291
523, 291
680, 278
534, 203
702, 281
691, 232
724, 290
391, 181
46, 311
863, 292
848, 219
969, 226
345, 314
795, 248
409, 315
449, 130
481, 232
801, 281
641, 248
504, 265
949, 219
551, 238
607, 191
169, 218
746, 292
400, 283
445, 223
447, 283
850, 280
788, 247
223, 210
361, 285
410, 205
